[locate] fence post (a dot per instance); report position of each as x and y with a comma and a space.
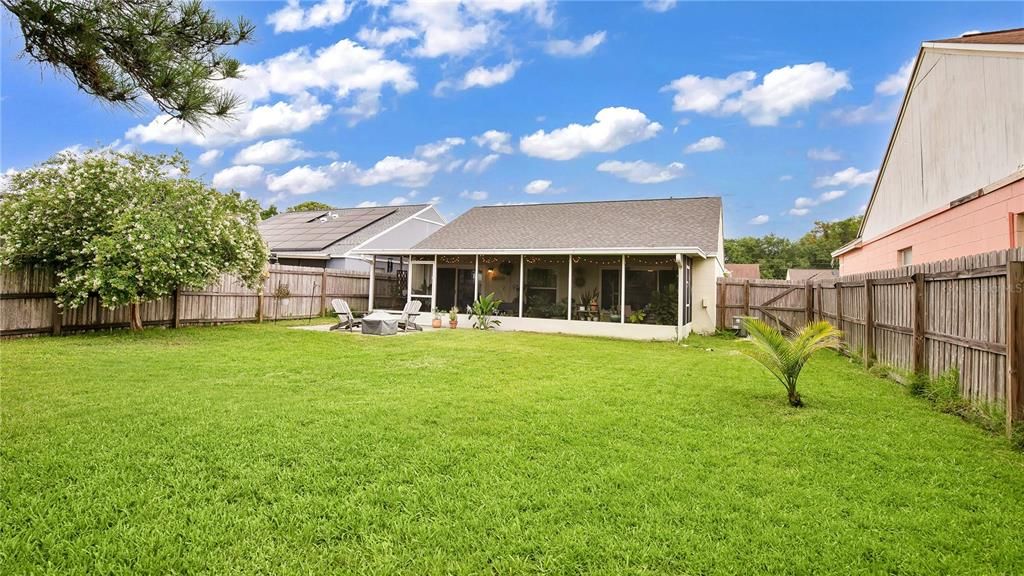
809, 302
746, 297
57, 319
259, 305
869, 322
919, 322
820, 310
839, 305
721, 304
176, 302
323, 292
1014, 343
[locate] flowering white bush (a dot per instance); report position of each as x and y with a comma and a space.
128, 227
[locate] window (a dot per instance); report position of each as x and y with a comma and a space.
1018, 230
905, 257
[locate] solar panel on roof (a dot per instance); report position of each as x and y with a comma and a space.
302, 231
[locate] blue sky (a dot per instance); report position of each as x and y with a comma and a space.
784, 110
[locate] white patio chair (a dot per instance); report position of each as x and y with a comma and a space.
346, 321
409, 313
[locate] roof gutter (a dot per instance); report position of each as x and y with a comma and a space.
654, 250
849, 246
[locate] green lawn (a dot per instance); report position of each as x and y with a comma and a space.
260, 449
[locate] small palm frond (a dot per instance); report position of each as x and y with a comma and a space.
785, 357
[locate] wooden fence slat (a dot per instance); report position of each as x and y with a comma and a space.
919, 310
1014, 342
869, 322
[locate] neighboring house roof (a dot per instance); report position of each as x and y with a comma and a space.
744, 271
1011, 36
335, 231
1000, 45
673, 223
806, 274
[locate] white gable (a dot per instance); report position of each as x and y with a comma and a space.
962, 128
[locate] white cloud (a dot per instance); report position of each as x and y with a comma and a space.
380, 38
483, 77
480, 165
537, 187
476, 195
356, 75
780, 93
238, 177
876, 111
640, 172
269, 120
614, 128
660, 5
759, 219
706, 144
459, 28
826, 154
969, 33
300, 180
705, 94
785, 178
367, 204
850, 177
831, 195
272, 152
438, 149
398, 200
803, 204
496, 141
406, 172
292, 18
570, 49
209, 157
897, 82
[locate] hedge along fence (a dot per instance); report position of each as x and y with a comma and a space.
965, 313
27, 303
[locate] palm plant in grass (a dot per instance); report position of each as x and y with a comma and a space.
785, 357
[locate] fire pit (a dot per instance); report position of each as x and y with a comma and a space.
380, 324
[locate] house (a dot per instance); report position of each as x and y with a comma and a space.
810, 274
952, 180
329, 239
643, 269
743, 271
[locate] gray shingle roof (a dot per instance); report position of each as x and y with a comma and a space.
344, 228
673, 222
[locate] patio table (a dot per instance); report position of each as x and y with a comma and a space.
380, 324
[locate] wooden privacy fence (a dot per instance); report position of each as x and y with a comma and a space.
27, 304
965, 314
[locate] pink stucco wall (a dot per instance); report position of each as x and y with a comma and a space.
981, 225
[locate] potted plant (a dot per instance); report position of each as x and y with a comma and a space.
453, 318
436, 322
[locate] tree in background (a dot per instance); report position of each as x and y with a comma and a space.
128, 227
127, 51
309, 206
268, 212
776, 254
814, 249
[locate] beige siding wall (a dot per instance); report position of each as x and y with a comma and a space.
962, 129
705, 274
